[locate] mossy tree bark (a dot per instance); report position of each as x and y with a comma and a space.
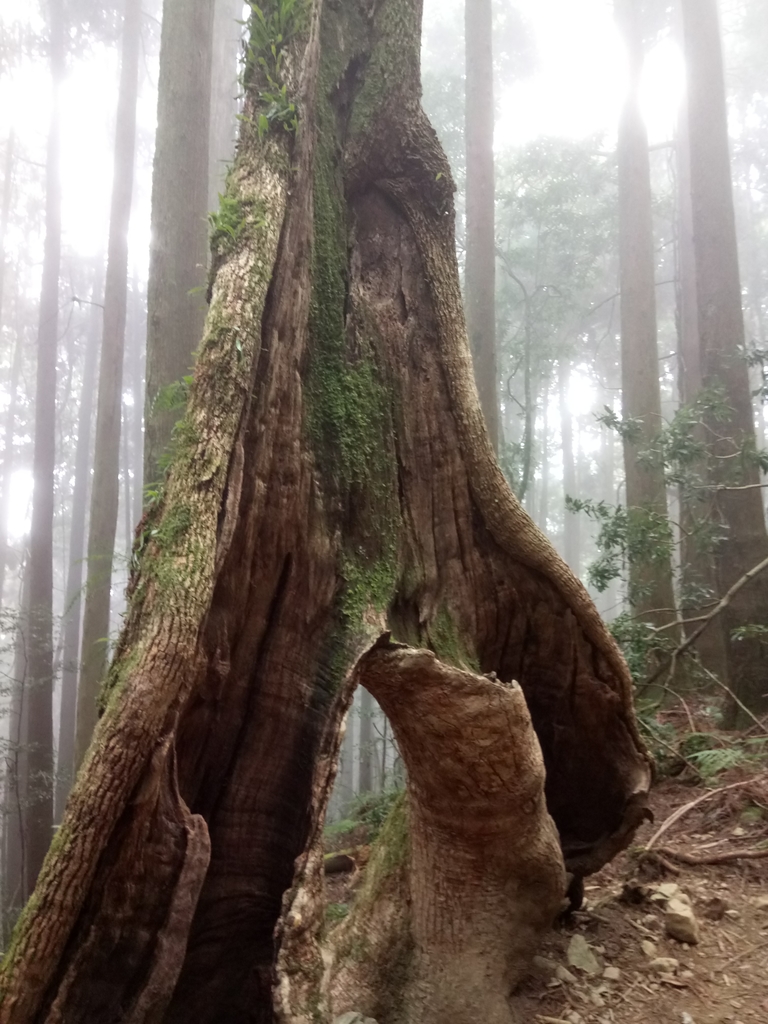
333, 480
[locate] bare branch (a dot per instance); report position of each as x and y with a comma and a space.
719, 607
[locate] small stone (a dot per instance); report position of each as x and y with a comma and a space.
732, 915
664, 965
352, 1017
611, 973
648, 947
581, 956
680, 923
669, 889
544, 967
761, 902
596, 999
564, 975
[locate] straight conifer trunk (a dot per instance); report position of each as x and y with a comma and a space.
480, 260
73, 604
698, 569
721, 333
178, 257
102, 522
333, 480
38, 812
10, 416
651, 591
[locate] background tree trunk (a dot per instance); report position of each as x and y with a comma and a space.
10, 416
302, 516
571, 524
38, 812
651, 592
73, 597
102, 522
225, 52
179, 246
721, 332
480, 260
697, 568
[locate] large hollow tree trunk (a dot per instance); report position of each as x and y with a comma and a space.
333, 480
651, 593
723, 366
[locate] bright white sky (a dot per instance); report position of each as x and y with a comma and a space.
579, 86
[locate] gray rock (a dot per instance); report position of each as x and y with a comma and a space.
353, 1017
680, 923
580, 955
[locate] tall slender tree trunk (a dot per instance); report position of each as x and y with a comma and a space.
226, 49
721, 333
697, 563
7, 464
137, 348
651, 591
571, 525
480, 265
39, 809
16, 777
544, 496
333, 481
365, 752
9, 456
179, 247
102, 524
77, 532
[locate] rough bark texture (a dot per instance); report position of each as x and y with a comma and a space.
38, 812
721, 332
651, 592
102, 524
478, 891
333, 479
178, 255
480, 263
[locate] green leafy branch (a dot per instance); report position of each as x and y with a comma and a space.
271, 28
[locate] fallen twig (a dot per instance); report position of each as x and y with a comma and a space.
712, 858
681, 811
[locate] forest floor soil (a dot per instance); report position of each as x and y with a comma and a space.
634, 971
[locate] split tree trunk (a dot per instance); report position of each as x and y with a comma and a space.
651, 593
721, 332
333, 479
